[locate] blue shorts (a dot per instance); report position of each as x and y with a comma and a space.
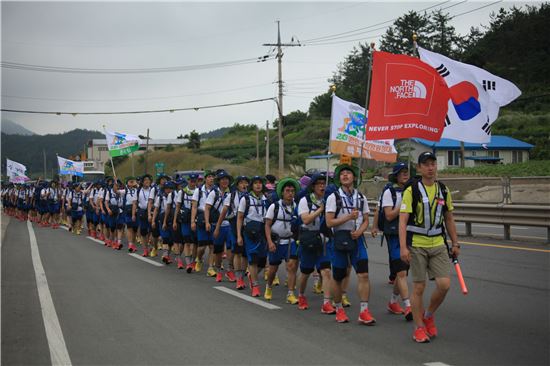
254, 248
310, 260
204, 236
143, 222
394, 249
341, 259
89, 215
283, 252
54, 208
166, 235
129, 223
226, 237
76, 215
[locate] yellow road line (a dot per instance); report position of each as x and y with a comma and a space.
505, 247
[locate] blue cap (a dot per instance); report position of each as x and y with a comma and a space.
169, 185
398, 167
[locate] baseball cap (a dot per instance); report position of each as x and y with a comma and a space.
426, 155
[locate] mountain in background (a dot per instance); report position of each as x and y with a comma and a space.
28, 150
220, 132
11, 128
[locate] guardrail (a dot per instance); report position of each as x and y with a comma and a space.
499, 214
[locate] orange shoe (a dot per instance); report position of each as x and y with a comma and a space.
431, 330
190, 267
219, 277
132, 248
408, 313
180, 264
302, 302
166, 259
230, 275
341, 316
395, 308
240, 284
327, 308
420, 335
145, 252
255, 291
365, 317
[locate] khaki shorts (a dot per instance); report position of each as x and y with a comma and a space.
433, 261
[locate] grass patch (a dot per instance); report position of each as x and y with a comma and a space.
526, 169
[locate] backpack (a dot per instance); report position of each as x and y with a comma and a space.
388, 227
294, 221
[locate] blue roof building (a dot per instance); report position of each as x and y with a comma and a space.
501, 150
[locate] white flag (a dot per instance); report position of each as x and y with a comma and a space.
476, 96
70, 167
347, 134
122, 143
16, 171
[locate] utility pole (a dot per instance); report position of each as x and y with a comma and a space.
257, 145
279, 46
266, 147
146, 151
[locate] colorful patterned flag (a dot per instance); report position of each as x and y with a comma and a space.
70, 167
122, 143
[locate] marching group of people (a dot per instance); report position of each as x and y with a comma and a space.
249, 225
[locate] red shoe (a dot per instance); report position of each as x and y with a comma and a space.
180, 264
302, 302
107, 243
327, 308
132, 248
118, 246
101, 237
420, 335
190, 267
341, 316
219, 277
230, 275
408, 313
249, 280
166, 259
93, 234
366, 318
431, 330
395, 308
240, 284
145, 252
255, 291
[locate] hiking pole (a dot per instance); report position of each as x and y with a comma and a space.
459, 275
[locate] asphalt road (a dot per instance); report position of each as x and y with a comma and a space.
114, 309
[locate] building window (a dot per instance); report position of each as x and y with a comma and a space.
517, 157
493, 154
102, 148
474, 153
453, 158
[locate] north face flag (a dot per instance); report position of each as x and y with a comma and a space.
476, 96
408, 99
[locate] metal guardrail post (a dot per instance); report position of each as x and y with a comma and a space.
468, 229
507, 232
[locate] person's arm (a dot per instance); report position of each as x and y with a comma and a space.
220, 220
176, 213
392, 213
271, 246
240, 219
193, 215
154, 217
309, 217
134, 209
404, 250
451, 229
362, 228
332, 221
165, 218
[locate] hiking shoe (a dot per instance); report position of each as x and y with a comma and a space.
240, 284
145, 253
317, 288
255, 291
395, 308
189, 267
291, 299
132, 248
153, 252
431, 330
327, 308
268, 294
166, 259
211, 272
198, 266
230, 275
408, 313
180, 264
341, 316
420, 335
365, 317
345, 301
276, 281
302, 303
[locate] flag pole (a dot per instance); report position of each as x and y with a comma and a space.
369, 74
333, 89
110, 156
415, 54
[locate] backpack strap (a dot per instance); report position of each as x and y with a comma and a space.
275, 212
246, 205
338, 200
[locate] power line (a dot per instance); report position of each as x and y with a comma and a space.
171, 110
476, 9
76, 70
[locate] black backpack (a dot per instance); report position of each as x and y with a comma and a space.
294, 220
388, 227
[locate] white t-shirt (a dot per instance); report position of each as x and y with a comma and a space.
218, 205
282, 226
233, 206
75, 197
166, 200
184, 197
303, 208
256, 210
143, 197
204, 194
387, 201
131, 196
348, 204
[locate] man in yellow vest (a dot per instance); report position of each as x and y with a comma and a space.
425, 206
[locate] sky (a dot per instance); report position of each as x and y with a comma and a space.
153, 35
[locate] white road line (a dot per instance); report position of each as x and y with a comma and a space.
436, 364
58, 349
247, 298
138, 256
96, 240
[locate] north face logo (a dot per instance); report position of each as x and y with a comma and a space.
409, 89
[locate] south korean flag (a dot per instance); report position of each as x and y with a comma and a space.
476, 97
